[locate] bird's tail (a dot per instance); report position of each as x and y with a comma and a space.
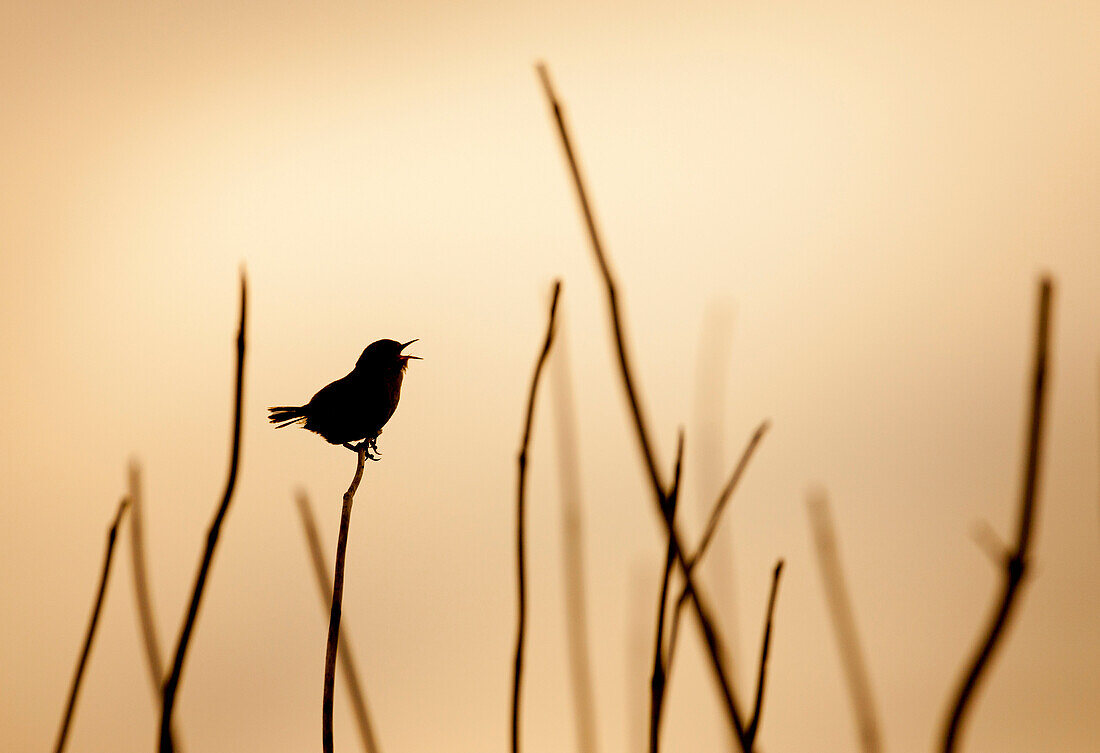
284, 415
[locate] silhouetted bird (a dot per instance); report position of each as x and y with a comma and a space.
356, 407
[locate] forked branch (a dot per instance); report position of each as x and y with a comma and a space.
699, 601
1015, 560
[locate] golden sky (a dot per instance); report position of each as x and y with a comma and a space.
855, 199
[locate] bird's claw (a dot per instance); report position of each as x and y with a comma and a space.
370, 445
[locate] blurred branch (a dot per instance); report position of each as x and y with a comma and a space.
171, 685
1015, 563
112, 533
657, 680
338, 600
712, 524
347, 660
754, 722
521, 579
698, 599
142, 593
576, 620
712, 368
844, 623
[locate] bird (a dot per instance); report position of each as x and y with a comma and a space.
354, 408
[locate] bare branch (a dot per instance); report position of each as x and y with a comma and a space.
142, 593
171, 685
70, 707
336, 606
657, 680
754, 723
521, 579
347, 660
712, 525
699, 601
576, 620
1016, 563
844, 623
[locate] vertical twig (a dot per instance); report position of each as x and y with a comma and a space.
112, 533
1014, 561
337, 602
699, 602
844, 623
754, 723
708, 534
576, 620
142, 593
345, 654
521, 579
709, 409
171, 685
141, 582
657, 679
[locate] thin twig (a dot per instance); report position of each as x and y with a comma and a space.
521, 571
142, 593
1015, 561
347, 659
699, 601
141, 582
657, 680
70, 707
844, 623
573, 561
709, 409
171, 685
754, 723
712, 525
338, 601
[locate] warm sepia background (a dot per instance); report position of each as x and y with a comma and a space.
855, 199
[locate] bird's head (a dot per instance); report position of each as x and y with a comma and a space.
382, 354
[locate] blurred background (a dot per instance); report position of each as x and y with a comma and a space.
832, 215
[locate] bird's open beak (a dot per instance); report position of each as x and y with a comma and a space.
406, 358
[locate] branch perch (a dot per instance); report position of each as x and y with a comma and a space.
338, 600
347, 659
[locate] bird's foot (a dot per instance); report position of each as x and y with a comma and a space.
370, 445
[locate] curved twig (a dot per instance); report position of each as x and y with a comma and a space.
142, 593
171, 685
521, 580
